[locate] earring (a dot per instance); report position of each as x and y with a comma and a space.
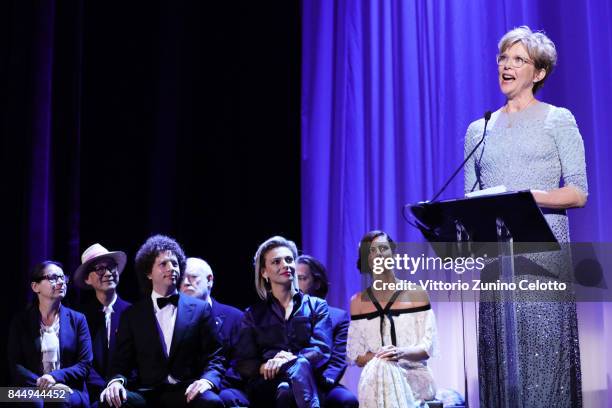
267, 280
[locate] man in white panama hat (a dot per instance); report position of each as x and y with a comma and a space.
100, 270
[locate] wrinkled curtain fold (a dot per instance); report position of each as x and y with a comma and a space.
388, 90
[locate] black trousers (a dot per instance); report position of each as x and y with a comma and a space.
170, 395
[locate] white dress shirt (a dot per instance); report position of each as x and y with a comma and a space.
166, 318
108, 311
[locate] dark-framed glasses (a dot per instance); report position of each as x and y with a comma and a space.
53, 279
379, 249
101, 268
514, 62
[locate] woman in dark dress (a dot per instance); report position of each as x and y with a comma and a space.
285, 338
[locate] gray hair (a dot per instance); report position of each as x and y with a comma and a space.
259, 262
540, 48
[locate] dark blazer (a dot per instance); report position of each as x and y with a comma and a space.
195, 352
228, 319
102, 355
336, 366
264, 332
24, 349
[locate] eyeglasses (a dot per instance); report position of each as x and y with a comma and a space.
53, 279
101, 269
379, 249
514, 62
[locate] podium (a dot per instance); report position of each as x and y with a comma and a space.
500, 225
487, 219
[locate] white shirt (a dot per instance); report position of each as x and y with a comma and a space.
166, 318
50, 345
108, 311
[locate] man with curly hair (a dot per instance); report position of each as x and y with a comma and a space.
168, 338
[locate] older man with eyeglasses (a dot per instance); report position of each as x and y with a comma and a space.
100, 270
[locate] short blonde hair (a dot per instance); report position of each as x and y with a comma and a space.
259, 262
540, 48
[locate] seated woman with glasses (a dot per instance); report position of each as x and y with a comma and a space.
392, 334
49, 345
285, 338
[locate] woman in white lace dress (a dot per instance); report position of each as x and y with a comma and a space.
391, 335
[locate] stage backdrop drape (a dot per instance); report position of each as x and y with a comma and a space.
388, 90
119, 120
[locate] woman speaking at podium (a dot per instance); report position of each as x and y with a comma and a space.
530, 145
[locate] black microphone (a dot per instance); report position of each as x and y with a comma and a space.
487, 116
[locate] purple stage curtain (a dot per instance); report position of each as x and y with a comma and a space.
155, 117
388, 90
41, 125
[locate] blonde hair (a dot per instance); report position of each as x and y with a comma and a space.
540, 48
259, 262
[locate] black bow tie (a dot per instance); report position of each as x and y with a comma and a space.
162, 302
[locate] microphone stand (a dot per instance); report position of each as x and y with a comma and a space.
487, 116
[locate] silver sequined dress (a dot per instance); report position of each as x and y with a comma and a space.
540, 148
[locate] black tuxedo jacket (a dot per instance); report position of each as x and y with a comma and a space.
102, 353
195, 352
24, 349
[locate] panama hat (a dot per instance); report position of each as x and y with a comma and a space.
93, 254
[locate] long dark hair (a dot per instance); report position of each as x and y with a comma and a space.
319, 274
364, 248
